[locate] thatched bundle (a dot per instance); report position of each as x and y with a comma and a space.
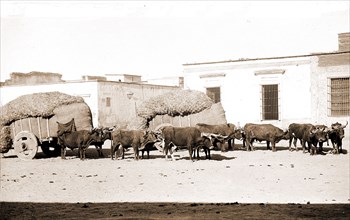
35, 105
5, 139
177, 103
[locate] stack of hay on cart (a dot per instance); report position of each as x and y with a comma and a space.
181, 108
38, 113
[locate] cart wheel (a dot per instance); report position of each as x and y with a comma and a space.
26, 145
51, 149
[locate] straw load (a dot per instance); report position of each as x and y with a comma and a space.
178, 103
5, 139
51, 105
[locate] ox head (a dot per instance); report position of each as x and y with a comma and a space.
235, 132
96, 134
319, 133
205, 140
150, 137
286, 135
214, 138
238, 133
338, 129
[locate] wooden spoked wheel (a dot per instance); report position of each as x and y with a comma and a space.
26, 145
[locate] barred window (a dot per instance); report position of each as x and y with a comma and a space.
339, 97
269, 97
108, 101
214, 94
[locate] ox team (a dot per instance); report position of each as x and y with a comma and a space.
202, 136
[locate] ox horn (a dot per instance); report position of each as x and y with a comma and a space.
343, 126
205, 134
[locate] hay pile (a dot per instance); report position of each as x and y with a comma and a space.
32, 105
5, 139
35, 105
177, 103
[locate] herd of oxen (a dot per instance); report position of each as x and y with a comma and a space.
203, 136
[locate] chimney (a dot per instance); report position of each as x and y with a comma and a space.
344, 41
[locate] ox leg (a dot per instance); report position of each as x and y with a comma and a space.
123, 151
320, 147
80, 153
84, 152
268, 145
313, 150
113, 146
190, 150
207, 153
230, 143
290, 144
273, 146
165, 149
295, 144
251, 145
136, 152
63, 152
99, 150
303, 143
334, 151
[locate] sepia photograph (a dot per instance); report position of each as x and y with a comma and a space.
174, 109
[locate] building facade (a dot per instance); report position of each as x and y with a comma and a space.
279, 90
111, 102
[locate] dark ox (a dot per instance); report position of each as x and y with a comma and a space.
78, 139
229, 131
326, 130
137, 139
307, 133
189, 137
336, 134
213, 138
106, 136
263, 132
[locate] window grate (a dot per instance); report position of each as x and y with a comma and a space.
270, 102
108, 101
214, 94
339, 97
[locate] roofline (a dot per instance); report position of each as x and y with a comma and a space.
266, 58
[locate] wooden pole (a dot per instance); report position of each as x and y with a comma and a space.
30, 125
39, 127
47, 127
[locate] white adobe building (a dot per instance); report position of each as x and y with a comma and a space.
113, 100
279, 90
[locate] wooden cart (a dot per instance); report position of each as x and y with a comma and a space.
29, 133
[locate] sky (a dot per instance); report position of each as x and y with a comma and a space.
155, 38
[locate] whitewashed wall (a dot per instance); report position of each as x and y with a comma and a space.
240, 87
319, 89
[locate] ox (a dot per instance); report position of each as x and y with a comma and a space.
78, 139
263, 132
336, 134
137, 139
307, 133
106, 136
190, 137
214, 138
229, 130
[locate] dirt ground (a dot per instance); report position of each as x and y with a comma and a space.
233, 184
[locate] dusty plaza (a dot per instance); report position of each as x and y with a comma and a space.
280, 181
